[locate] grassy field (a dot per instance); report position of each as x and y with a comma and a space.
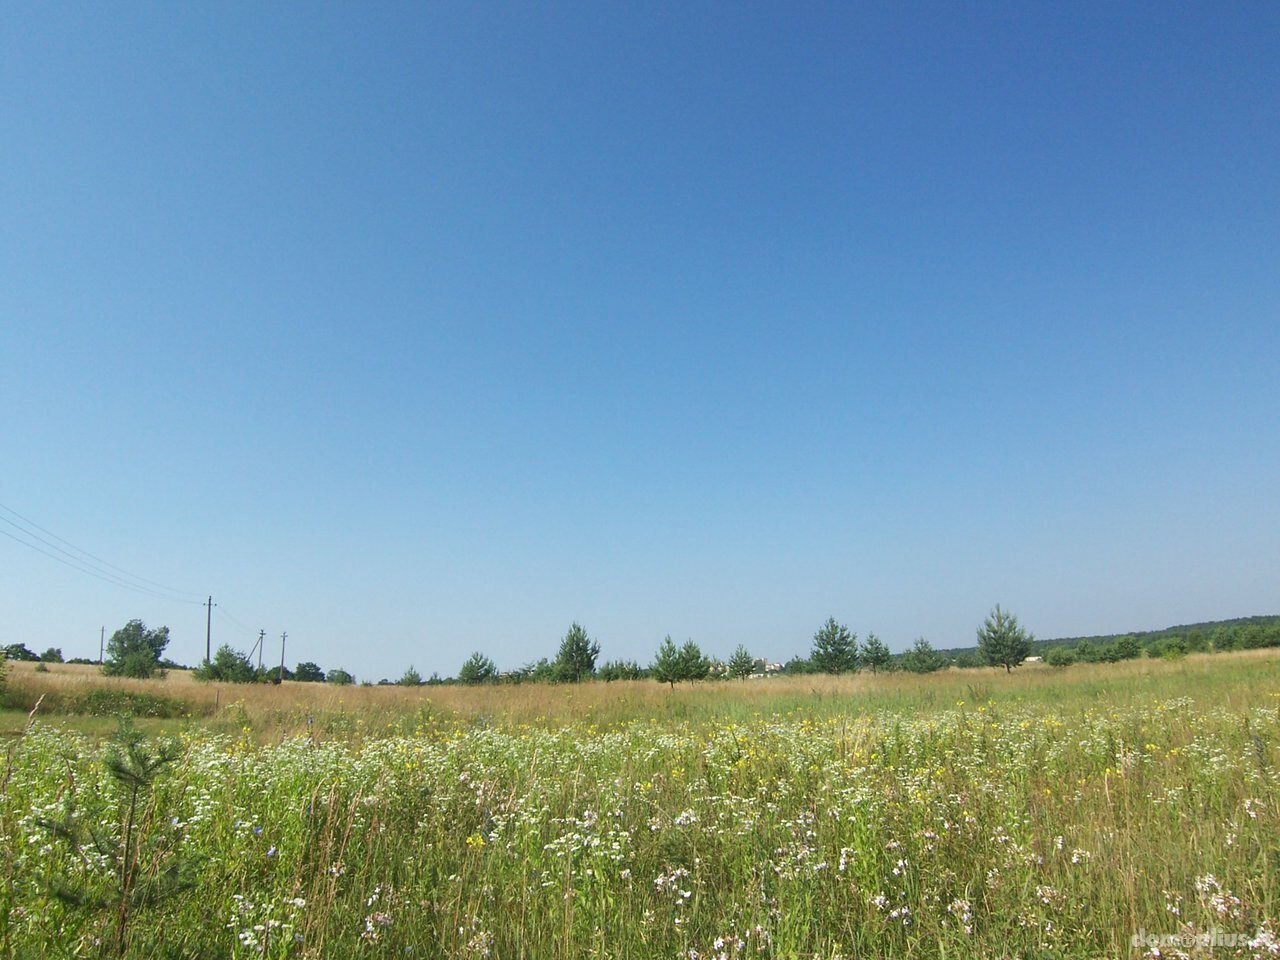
962, 815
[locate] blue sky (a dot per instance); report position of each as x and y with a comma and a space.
415, 330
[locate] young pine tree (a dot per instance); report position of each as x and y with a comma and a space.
1001, 642
835, 649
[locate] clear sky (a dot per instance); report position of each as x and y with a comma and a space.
418, 329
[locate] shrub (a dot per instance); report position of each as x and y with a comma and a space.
922, 658
135, 651
227, 666
1171, 648
1060, 657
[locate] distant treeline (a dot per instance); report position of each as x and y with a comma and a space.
1214, 636
134, 651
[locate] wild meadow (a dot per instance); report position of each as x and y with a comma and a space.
1085, 812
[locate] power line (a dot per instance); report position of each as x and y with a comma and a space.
107, 578
96, 565
225, 615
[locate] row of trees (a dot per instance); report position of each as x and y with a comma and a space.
1000, 642
231, 666
1251, 634
19, 651
836, 650
136, 651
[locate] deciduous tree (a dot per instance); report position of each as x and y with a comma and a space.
227, 666
309, 672
135, 651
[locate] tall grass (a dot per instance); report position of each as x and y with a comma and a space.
299, 708
1048, 814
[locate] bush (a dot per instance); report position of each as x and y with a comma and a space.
227, 666
106, 703
1087, 651
922, 658
135, 651
102, 702
1060, 657
1171, 648
308, 672
1127, 648
621, 670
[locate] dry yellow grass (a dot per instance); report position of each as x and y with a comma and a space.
287, 706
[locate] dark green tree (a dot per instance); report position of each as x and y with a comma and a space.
309, 672
620, 670
478, 669
835, 649
135, 651
798, 667
140, 851
693, 665
1087, 651
875, 654
52, 655
410, 678
541, 670
1128, 647
339, 678
576, 660
667, 665
1060, 657
1001, 642
742, 664
227, 666
19, 651
922, 658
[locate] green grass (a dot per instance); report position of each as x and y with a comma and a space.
965, 815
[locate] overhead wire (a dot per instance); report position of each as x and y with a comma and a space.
95, 573
232, 620
89, 563
85, 562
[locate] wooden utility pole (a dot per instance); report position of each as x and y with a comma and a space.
262, 635
208, 631
282, 639
102, 644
